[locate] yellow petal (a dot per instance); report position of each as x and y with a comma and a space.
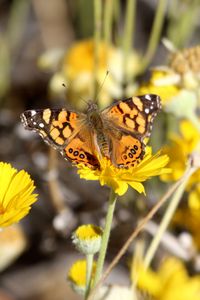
119, 179
15, 194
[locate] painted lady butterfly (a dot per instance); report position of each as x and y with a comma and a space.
116, 132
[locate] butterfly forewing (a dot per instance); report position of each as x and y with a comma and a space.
64, 130
56, 126
135, 114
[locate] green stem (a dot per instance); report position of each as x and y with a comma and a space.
128, 34
155, 34
117, 9
181, 26
106, 235
17, 22
97, 40
167, 217
108, 17
89, 262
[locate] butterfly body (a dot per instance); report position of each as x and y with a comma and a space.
116, 132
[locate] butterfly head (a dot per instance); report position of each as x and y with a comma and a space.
92, 106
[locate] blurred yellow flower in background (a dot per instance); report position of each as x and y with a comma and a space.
170, 282
77, 275
177, 83
162, 83
186, 64
80, 58
180, 148
188, 218
119, 178
77, 72
15, 194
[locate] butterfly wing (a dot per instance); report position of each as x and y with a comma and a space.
81, 149
127, 150
135, 115
64, 130
129, 122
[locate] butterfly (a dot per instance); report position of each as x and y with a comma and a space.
117, 132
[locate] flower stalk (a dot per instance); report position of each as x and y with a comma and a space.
134, 234
105, 237
128, 34
97, 40
89, 266
155, 34
108, 18
168, 216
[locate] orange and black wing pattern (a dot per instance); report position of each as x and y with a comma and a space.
130, 121
135, 115
56, 126
65, 131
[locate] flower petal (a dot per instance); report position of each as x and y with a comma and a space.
15, 194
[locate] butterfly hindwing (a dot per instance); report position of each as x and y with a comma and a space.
81, 149
127, 151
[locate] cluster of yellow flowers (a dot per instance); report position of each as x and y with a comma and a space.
78, 73
178, 87
181, 147
171, 281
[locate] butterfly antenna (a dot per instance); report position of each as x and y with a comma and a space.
101, 86
85, 101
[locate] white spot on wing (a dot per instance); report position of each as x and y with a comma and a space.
148, 97
41, 125
33, 112
146, 110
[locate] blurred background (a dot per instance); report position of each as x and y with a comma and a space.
46, 60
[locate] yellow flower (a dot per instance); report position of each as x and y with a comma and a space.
180, 149
87, 238
188, 216
189, 219
170, 282
177, 84
160, 83
77, 275
74, 63
120, 179
77, 71
15, 194
178, 100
